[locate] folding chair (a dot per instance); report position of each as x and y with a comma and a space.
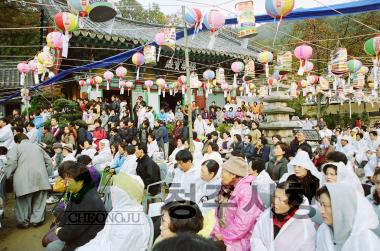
148, 197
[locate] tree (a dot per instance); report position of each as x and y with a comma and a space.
133, 10
19, 14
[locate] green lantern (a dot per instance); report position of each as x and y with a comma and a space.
372, 46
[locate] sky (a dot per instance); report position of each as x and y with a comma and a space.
227, 6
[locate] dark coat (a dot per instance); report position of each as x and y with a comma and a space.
159, 134
130, 134
76, 229
238, 147
248, 150
276, 170
149, 172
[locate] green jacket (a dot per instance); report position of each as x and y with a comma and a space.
48, 139
276, 170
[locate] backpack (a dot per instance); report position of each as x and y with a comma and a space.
88, 136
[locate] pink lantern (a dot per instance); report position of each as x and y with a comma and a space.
213, 21
148, 84
33, 65
237, 67
98, 81
23, 68
224, 86
108, 76
122, 85
272, 81
160, 82
182, 80
303, 53
55, 40
129, 85
138, 59
160, 41
121, 72
82, 83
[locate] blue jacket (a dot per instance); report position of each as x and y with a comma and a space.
38, 122
162, 116
118, 162
165, 135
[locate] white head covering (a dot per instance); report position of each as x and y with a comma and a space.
346, 175
353, 217
302, 159
346, 138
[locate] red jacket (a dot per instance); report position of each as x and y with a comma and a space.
98, 134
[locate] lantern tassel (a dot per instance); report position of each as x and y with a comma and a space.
225, 93
349, 79
65, 45
235, 79
158, 54
119, 82
375, 70
89, 89
108, 85
148, 89
22, 79
163, 93
278, 28
122, 90
138, 73
97, 87
267, 70
212, 40
36, 78
159, 90
301, 70
171, 92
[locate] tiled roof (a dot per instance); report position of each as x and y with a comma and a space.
139, 32
10, 81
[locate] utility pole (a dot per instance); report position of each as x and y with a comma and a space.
188, 91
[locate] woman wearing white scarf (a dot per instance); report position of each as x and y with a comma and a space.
301, 169
104, 156
348, 219
127, 226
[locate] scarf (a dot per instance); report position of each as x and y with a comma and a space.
222, 200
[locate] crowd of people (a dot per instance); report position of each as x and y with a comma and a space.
233, 190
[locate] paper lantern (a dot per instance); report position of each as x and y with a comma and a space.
129, 85
309, 66
284, 62
90, 82
82, 83
354, 65
66, 22
249, 71
246, 19
372, 46
272, 81
312, 79
170, 37
237, 67
279, 8
209, 75
23, 68
160, 82
338, 61
101, 10
213, 21
122, 85
193, 18
303, 53
79, 7
150, 54
265, 57
108, 76
364, 70
121, 72
138, 59
98, 81
33, 65
220, 77
148, 84
224, 86
302, 83
160, 41
55, 40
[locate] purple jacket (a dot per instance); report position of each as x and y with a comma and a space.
243, 210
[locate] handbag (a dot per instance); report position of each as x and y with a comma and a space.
50, 236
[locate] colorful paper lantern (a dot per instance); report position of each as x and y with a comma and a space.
169, 38
364, 70
246, 19
121, 72
33, 65
354, 65
309, 66
272, 81
150, 54
66, 22
302, 83
279, 8
213, 21
220, 77
303, 53
284, 62
79, 7
193, 18
249, 71
338, 61
98, 81
108, 76
312, 79
55, 40
82, 83
237, 67
23, 68
129, 85
148, 84
208, 75
160, 41
160, 82
265, 57
102, 10
138, 59
372, 46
